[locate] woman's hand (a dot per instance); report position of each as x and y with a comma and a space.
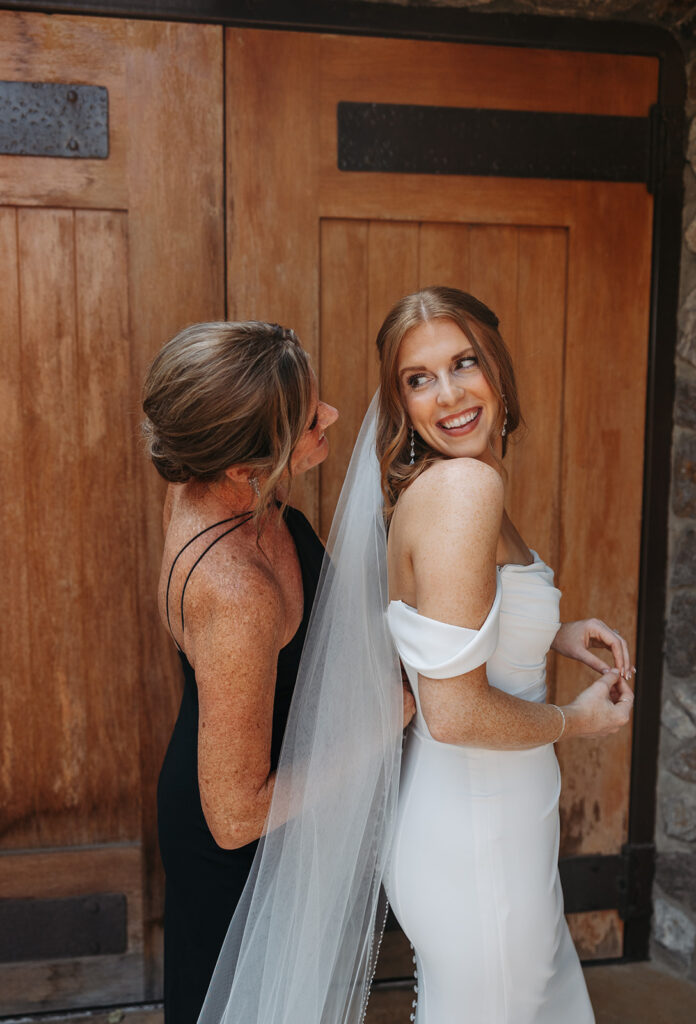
574, 640
601, 709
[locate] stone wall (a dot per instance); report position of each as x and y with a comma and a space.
674, 922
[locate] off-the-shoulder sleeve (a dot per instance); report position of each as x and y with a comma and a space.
437, 649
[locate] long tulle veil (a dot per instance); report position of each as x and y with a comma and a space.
302, 944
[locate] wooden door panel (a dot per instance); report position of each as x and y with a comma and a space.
101, 262
77, 51
68, 874
559, 261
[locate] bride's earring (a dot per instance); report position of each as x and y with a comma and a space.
503, 432
255, 486
413, 450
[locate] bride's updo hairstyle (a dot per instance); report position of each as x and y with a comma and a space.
225, 394
480, 325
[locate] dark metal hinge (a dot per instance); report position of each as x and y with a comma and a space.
665, 134
635, 885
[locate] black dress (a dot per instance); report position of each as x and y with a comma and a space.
203, 881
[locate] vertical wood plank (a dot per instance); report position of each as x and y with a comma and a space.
272, 92
602, 480
344, 314
444, 255
493, 275
108, 421
18, 824
176, 277
533, 464
392, 273
50, 401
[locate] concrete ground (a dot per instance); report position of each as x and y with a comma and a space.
621, 994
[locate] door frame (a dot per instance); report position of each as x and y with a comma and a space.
621, 881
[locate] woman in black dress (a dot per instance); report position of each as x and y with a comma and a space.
232, 415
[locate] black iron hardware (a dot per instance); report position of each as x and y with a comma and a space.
51, 119
32, 929
410, 139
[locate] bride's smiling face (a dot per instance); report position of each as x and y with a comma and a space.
446, 395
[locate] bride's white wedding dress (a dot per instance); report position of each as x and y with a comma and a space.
473, 876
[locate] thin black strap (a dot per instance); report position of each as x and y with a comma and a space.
212, 543
239, 515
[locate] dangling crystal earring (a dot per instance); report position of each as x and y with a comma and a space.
413, 450
255, 486
503, 432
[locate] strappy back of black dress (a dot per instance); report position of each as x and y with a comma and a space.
239, 519
204, 881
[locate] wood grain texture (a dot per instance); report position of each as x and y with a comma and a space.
602, 483
79, 51
176, 277
108, 518
497, 77
534, 463
273, 231
50, 400
344, 314
602, 478
18, 823
444, 256
393, 261
53, 985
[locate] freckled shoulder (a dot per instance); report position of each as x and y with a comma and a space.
234, 594
450, 487
452, 529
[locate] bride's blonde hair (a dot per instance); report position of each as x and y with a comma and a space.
480, 325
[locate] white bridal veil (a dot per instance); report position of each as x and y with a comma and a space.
302, 944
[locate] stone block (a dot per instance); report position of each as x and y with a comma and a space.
680, 641
684, 494
690, 236
682, 763
673, 929
677, 721
686, 346
679, 817
685, 693
691, 145
675, 873
685, 402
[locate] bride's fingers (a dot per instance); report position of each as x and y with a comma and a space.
593, 661
601, 635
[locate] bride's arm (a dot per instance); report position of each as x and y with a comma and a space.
450, 523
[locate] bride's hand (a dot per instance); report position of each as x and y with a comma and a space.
574, 640
601, 709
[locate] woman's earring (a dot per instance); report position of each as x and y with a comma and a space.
503, 432
413, 450
255, 486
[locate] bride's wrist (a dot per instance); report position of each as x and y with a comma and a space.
573, 720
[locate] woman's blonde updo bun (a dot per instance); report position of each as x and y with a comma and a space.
225, 394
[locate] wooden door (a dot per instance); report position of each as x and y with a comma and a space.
100, 261
564, 263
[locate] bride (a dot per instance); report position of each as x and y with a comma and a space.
467, 843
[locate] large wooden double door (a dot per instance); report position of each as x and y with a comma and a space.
102, 260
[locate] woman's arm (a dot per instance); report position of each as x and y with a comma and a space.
235, 634
451, 524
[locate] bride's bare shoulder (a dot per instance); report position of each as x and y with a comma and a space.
451, 487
